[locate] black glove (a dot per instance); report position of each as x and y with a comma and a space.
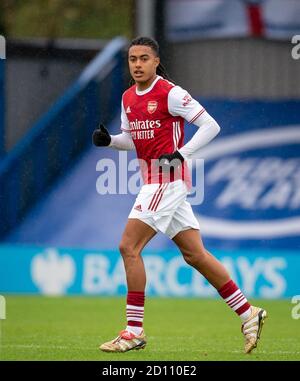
170, 161
101, 137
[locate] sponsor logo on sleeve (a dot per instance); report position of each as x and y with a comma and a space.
186, 100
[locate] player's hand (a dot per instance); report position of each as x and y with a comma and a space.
169, 162
101, 137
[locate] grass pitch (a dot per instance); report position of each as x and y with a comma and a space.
71, 328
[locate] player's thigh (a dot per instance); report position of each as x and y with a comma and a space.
182, 219
136, 235
189, 242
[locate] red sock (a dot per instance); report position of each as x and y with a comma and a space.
135, 308
234, 297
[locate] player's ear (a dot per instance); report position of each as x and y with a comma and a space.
157, 61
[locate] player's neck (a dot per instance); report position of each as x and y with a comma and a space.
141, 86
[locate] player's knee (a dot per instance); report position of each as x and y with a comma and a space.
194, 258
128, 251
189, 258
124, 248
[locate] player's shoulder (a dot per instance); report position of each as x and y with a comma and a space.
165, 85
129, 92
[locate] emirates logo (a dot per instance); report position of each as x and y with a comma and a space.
152, 106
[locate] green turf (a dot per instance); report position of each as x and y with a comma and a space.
71, 328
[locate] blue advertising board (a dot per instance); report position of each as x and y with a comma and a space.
53, 271
252, 188
252, 174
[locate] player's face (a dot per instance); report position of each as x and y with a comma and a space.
142, 65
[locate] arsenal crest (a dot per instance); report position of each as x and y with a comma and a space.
152, 106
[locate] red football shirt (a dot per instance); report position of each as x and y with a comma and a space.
155, 119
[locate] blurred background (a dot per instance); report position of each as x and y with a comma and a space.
63, 69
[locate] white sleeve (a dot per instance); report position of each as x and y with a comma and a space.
181, 103
208, 129
124, 120
124, 140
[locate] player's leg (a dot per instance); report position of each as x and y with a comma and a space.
190, 244
194, 253
136, 235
